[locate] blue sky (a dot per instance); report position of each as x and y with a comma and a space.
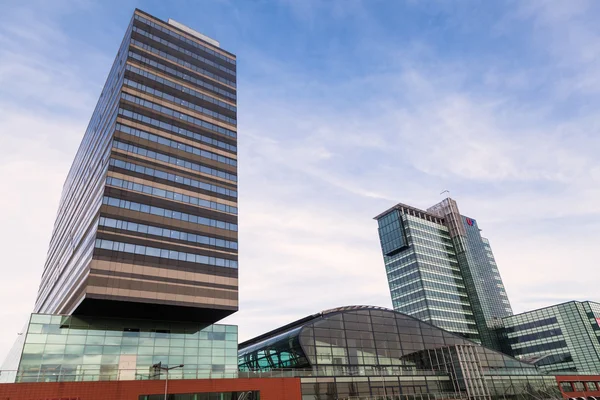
345, 108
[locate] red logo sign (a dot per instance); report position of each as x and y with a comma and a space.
470, 221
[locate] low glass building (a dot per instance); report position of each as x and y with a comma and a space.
70, 348
561, 338
362, 351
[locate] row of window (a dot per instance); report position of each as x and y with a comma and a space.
176, 114
540, 347
415, 293
173, 160
179, 101
186, 40
181, 88
432, 248
452, 323
181, 62
432, 241
177, 130
443, 311
167, 233
171, 177
535, 336
168, 194
433, 272
532, 324
439, 303
94, 337
421, 275
176, 145
418, 284
163, 253
428, 226
188, 53
440, 295
425, 262
162, 212
185, 77
412, 253
430, 257
72, 353
555, 359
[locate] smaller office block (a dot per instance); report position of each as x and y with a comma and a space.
560, 338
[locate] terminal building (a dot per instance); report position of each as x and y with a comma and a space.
373, 352
441, 270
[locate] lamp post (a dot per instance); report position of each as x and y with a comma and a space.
166, 369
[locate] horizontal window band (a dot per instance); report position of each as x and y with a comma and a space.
163, 279
178, 130
158, 252
151, 137
173, 69
166, 158
137, 238
168, 194
163, 263
177, 115
162, 212
180, 181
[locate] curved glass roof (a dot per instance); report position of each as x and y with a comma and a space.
355, 339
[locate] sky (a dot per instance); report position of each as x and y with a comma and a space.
345, 109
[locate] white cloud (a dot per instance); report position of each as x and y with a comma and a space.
319, 158
45, 103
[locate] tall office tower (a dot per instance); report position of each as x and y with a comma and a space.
147, 222
442, 271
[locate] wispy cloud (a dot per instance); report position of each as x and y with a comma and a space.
343, 112
45, 103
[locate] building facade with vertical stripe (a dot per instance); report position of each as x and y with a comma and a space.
441, 270
147, 222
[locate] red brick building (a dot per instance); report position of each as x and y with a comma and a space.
268, 388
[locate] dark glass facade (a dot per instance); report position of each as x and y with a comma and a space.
441, 270
147, 222
364, 351
564, 338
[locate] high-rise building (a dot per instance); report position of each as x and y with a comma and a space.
441, 270
143, 257
147, 222
561, 338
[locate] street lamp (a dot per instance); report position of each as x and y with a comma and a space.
167, 369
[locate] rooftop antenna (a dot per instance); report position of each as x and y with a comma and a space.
445, 191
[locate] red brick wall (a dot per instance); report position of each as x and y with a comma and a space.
270, 389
